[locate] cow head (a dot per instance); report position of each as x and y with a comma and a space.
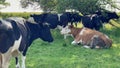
38, 17
43, 27
75, 17
112, 15
45, 33
107, 15
66, 30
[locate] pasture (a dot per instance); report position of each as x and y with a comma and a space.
61, 54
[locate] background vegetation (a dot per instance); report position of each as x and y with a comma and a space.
83, 6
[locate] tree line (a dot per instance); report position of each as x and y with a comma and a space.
83, 6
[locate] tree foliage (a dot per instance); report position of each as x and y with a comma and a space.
83, 6
3, 4
2, 1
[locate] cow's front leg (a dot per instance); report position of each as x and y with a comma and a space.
23, 61
74, 42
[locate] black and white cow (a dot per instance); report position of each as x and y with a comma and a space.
55, 19
92, 21
16, 35
96, 20
106, 16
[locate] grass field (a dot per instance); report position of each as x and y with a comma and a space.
61, 54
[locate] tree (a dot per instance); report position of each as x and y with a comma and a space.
83, 6
3, 4
2, 1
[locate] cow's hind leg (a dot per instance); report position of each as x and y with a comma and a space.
93, 42
17, 62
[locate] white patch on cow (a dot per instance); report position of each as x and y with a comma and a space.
74, 43
81, 33
47, 24
7, 56
65, 30
94, 36
18, 65
7, 23
59, 16
97, 47
17, 19
59, 27
65, 36
85, 46
106, 36
17, 44
80, 41
92, 16
23, 61
31, 20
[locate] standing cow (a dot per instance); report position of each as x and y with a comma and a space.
16, 35
87, 37
96, 20
92, 21
56, 19
106, 16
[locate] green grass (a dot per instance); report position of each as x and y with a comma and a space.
61, 54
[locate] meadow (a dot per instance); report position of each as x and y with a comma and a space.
61, 54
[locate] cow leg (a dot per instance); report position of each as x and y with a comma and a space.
85, 46
92, 44
74, 42
5, 60
23, 61
17, 62
24, 57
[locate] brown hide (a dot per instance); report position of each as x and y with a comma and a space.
85, 36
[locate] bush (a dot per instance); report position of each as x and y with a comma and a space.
15, 14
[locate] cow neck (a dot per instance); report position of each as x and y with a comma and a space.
75, 31
33, 30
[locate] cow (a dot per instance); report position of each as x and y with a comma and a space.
87, 37
92, 21
16, 36
55, 19
106, 16
95, 20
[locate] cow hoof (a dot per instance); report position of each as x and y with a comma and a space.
74, 43
86, 46
17, 67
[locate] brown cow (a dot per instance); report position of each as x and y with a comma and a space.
88, 37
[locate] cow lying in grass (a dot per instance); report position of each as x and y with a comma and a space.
87, 37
